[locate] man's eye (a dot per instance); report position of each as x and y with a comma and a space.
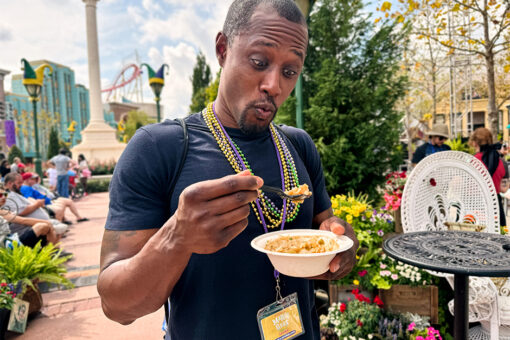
258, 63
289, 73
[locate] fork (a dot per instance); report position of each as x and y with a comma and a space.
282, 194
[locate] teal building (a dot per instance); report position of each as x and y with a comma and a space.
63, 104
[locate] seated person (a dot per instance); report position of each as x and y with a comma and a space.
57, 205
18, 204
42, 189
30, 230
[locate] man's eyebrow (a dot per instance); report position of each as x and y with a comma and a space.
272, 45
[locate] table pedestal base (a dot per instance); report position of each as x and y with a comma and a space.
461, 298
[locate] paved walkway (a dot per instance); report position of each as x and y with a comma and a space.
76, 313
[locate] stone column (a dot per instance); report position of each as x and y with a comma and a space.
99, 142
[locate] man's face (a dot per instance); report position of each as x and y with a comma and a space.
30, 181
260, 69
438, 140
16, 184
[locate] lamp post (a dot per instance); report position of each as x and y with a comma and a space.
33, 81
304, 6
156, 82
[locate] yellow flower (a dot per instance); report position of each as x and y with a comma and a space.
356, 282
368, 214
334, 205
348, 218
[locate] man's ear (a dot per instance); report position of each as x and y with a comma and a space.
221, 48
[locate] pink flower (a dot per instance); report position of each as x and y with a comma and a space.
383, 266
419, 337
411, 326
363, 272
394, 276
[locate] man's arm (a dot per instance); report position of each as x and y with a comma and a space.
32, 207
145, 265
342, 263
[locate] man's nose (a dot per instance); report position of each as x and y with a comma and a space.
271, 82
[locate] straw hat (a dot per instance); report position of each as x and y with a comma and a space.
439, 130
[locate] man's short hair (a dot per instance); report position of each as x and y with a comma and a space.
10, 177
241, 11
62, 151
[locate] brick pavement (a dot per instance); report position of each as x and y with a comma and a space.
76, 313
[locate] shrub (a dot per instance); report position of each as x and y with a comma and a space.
99, 185
15, 152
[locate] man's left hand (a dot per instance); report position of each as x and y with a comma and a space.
342, 263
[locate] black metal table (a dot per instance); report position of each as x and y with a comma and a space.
462, 253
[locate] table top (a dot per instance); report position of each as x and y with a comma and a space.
456, 252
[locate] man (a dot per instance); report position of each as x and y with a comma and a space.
30, 230
193, 243
61, 162
57, 206
18, 204
437, 136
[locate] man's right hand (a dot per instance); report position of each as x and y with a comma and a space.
40, 203
212, 213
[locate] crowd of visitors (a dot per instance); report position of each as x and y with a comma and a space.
31, 211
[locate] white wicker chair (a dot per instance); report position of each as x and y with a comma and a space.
454, 186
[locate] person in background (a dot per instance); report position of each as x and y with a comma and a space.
51, 173
14, 165
30, 230
57, 206
437, 136
5, 168
84, 172
481, 141
61, 162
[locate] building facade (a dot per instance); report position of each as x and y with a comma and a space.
475, 116
63, 104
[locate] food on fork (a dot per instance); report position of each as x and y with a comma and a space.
299, 190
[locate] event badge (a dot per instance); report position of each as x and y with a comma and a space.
281, 319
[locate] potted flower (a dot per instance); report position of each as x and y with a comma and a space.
7, 295
393, 190
370, 226
24, 267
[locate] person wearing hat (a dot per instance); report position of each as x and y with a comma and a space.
57, 206
437, 136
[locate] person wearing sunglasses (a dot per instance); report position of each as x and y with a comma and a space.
437, 136
29, 230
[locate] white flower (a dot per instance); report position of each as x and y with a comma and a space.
370, 336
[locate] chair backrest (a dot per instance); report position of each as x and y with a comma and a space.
449, 186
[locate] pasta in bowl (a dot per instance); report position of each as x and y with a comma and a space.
301, 252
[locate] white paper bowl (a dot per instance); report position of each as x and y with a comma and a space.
301, 265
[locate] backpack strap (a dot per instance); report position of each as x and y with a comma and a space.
172, 187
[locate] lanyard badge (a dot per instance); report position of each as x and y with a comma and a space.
281, 319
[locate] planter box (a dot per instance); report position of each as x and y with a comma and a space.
343, 293
420, 300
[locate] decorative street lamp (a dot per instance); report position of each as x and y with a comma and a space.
156, 82
305, 6
71, 129
33, 81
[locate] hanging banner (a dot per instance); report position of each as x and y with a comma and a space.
10, 133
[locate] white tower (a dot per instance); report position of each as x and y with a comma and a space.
98, 139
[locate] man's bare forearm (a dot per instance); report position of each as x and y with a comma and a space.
140, 284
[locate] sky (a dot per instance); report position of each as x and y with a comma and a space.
159, 31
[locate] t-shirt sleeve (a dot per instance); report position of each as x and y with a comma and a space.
138, 197
310, 156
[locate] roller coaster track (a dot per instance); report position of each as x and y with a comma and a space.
120, 82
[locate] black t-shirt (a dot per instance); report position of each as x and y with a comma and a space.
218, 295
